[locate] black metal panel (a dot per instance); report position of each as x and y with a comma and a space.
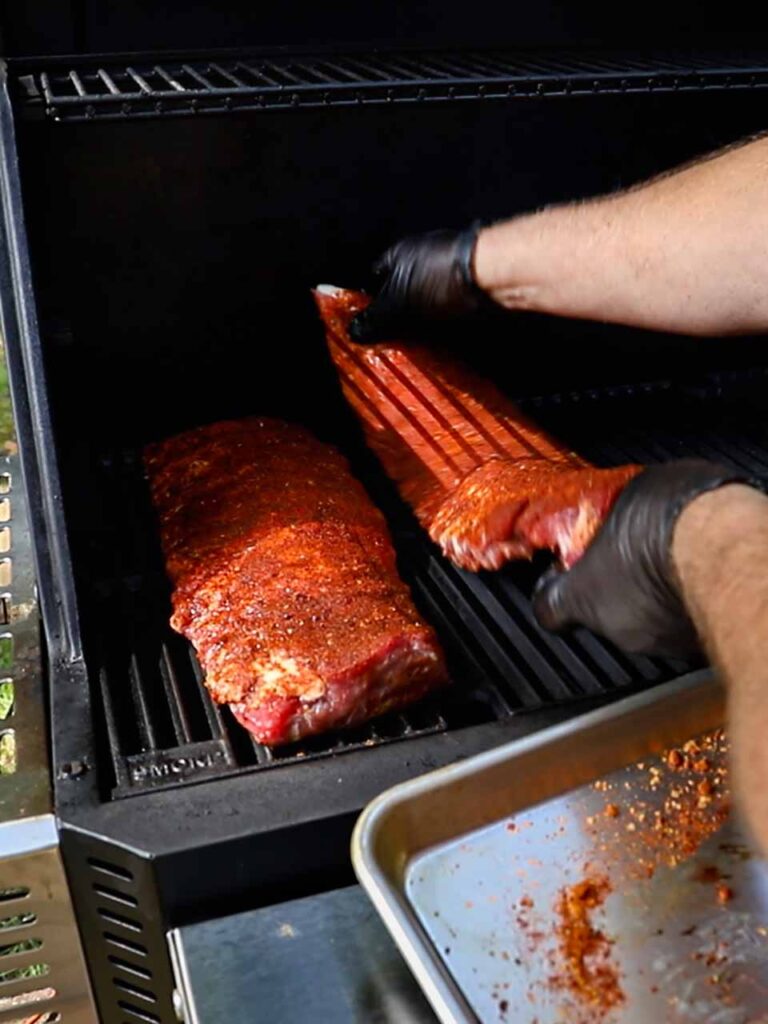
136, 88
115, 892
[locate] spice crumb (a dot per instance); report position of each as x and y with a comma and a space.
589, 972
724, 893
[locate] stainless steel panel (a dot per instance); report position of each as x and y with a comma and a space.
325, 958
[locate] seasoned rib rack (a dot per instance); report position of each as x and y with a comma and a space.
285, 580
486, 483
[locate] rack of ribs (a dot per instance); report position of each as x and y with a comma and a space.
485, 482
285, 580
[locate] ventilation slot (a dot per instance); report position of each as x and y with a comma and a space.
17, 921
25, 946
120, 920
114, 894
7, 689
45, 1018
39, 995
19, 973
7, 752
138, 1014
125, 944
115, 870
19, 893
135, 990
123, 965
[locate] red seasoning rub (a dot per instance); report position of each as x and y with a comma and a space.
486, 482
285, 580
587, 970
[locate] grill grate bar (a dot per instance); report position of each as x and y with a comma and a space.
567, 653
139, 79
229, 76
198, 77
212, 712
123, 91
262, 78
113, 732
77, 82
519, 641
369, 69
262, 754
341, 72
143, 717
176, 702
108, 81
166, 76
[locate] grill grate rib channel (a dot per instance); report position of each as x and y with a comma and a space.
116, 90
162, 727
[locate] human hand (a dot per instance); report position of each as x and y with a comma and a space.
625, 586
424, 278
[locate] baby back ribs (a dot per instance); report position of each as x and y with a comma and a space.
285, 580
485, 481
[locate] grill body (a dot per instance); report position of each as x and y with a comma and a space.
158, 289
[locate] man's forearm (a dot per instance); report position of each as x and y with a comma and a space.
687, 252
720, 551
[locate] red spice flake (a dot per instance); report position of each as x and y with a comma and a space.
675, 759
724, 893
511, 827
588, 971
526, 901
702, 765
705, 787
612, 811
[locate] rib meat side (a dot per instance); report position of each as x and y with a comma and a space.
485, 481
285, 580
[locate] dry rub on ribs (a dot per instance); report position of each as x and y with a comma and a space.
285, 580
486, 482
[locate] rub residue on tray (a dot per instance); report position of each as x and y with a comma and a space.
588, 970
693, 779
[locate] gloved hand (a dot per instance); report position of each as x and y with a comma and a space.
425, 277
625, 586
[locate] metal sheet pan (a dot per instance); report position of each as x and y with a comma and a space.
466, 866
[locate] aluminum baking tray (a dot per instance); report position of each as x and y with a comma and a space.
470, 866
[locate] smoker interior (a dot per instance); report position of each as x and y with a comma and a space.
173, 260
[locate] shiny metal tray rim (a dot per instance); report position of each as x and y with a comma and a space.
445, 804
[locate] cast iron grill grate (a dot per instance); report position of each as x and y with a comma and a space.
163, 730
116, 89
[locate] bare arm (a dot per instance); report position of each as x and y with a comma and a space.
686, 252
720, 551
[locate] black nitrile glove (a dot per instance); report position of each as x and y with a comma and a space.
424, 278
625, 587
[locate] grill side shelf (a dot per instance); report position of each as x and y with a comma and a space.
125, 89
